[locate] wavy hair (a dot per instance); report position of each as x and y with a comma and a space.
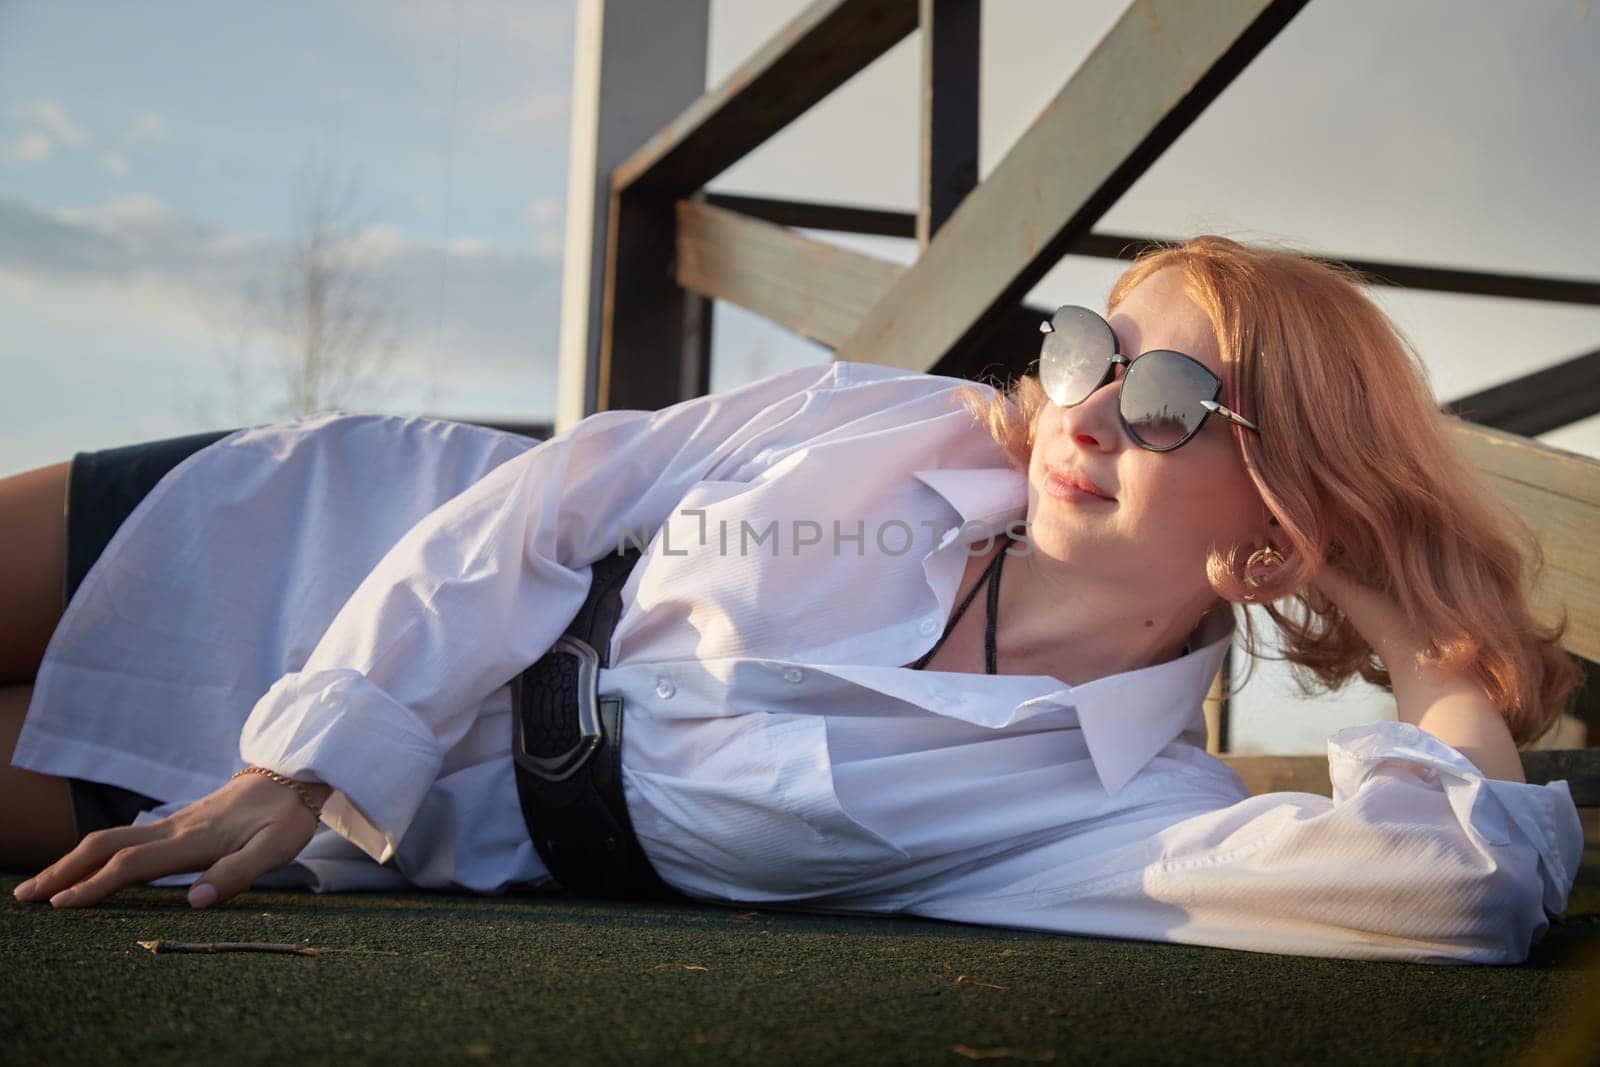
1357, 464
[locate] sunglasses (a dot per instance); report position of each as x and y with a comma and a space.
1166, 396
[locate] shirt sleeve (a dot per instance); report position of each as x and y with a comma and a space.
1445, 867
483, 585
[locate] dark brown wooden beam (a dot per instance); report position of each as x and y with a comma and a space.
1539, 402
823, 47
1400, 275
879, 222
654, 343
1003, 351
813, 215
651, 330
1479, 283
1578, 767
948, 167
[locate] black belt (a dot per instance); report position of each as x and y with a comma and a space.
567, 746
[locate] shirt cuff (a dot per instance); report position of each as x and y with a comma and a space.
1492, 810
336, 727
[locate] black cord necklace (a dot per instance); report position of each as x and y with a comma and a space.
991, 574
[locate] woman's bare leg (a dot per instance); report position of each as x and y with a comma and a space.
35, 809
36, 826
33, 566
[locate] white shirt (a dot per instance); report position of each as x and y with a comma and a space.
777, 750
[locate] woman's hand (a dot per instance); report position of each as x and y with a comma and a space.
1452, 707
1376, 617
235, 835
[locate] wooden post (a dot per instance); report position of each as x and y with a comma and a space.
1216, 706
652, 348
951, 36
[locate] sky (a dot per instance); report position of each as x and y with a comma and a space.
150, 156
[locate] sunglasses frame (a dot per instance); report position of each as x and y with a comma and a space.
1210, 404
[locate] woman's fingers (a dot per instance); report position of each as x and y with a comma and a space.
136, 863
92, 853
268, 850
1376, 615
234, 835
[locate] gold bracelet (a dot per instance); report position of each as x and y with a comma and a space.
299, 788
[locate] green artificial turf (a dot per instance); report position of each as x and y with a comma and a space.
448, 978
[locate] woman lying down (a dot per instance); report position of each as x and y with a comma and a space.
297, 659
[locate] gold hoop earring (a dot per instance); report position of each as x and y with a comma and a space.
1262, 557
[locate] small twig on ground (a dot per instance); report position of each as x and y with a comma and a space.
1003, 1053
965, 979
160, 946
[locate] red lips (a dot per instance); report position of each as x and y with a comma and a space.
1078, 480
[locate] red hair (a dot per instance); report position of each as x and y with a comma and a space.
1358, 464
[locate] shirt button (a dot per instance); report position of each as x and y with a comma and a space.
665, 688
929, 625
793, 674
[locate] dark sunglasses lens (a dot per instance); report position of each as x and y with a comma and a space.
1074, 355
1161, 395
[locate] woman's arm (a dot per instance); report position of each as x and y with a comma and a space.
1432, 848
1442, 866
1451, 707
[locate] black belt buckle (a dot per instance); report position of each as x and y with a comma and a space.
546, 741
569, 766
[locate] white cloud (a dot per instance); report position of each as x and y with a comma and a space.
52, 117
135, 209
15, 283
136, 261
31, 147
52, 127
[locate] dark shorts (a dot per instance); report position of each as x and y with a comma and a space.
103, 488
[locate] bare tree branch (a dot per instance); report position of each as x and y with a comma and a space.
333, 329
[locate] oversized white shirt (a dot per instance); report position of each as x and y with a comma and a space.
381, 580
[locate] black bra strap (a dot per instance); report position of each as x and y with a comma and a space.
993, 570
991, 657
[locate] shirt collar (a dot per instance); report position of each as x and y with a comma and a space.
1126, 718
